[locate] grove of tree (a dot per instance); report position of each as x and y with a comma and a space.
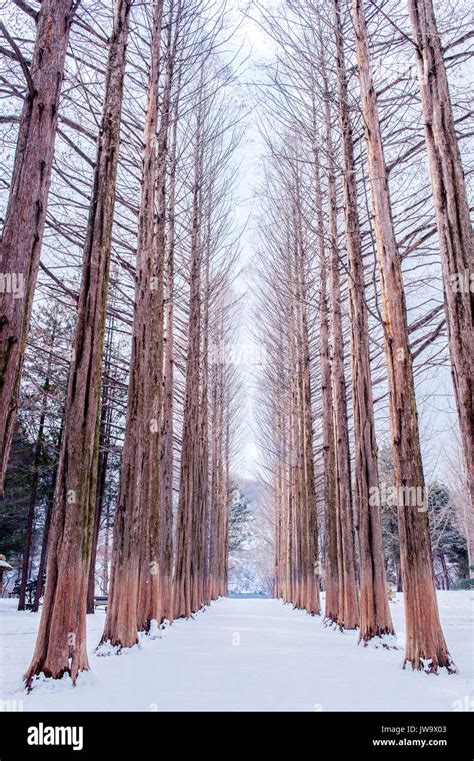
122, 259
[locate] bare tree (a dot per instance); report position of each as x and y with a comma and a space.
455, 235
131, 548
61, 642
375, 618
20, 246
425, 644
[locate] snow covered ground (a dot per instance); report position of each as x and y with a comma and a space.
246, 654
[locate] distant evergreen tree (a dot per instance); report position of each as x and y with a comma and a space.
239, 515
448, 542
15, 503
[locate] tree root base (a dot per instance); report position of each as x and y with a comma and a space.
429, 667
41, 674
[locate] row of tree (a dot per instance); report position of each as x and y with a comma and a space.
348, 194
122, 184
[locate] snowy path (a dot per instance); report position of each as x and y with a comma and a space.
246, 654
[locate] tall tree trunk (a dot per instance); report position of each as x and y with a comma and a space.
399, 578
294, 464
375, 618
158, 522
187, 528
217, 432
278, 506
312, 600
20, 247
310, 570
445, 571
455, 235
329, 466
104, 433
348, 613
61, 642
105, 567
166, 468
203, 477
467, 517
217, 547
151, 568
425, 645
225, 497
25, 564
142, 426
101, 474
214, 452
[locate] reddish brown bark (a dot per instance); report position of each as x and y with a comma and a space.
166, 465
329, 466
294, 490
25, 216
219, 386
187, 577
455, 234
375, 618
133, 594
310, 570
425, 645
166, 468
217, 477
153, 575
61, 641
278, 475
311, 597
202, 536
294, 459
348, 606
